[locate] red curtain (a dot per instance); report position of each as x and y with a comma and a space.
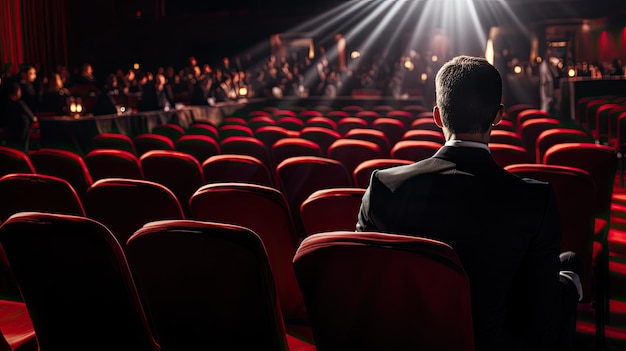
11, 35
45, 36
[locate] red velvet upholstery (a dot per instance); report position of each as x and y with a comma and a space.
110, 163
351, 152
323, 137
148, 142
260, 121
17, 332
113, 141
363, 172
377, 292
529, 114
37, 192
555, 136
531, 129
506, 155
331, 210
200, 147
65, 165
424, 135
76, 283
506, 137
203, 129
293, 147
170, 130
124, 205
234, 130
414, 150
323, 122
375, 136
250, 146
265, 211
207, 286
393, 128
346, 124
299, 177
14, 161
574, 190
270, 134
290, 123
425, 123
237, 168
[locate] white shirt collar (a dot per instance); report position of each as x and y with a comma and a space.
465, 143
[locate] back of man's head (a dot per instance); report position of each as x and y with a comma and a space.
469, 93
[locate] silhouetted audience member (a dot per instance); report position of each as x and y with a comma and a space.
105, 105
156, 95
54, 98
30, 94
16, 117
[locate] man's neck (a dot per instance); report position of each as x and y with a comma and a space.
476, 137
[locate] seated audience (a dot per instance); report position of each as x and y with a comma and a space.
105, 105
54, 99
156, 95
16, 117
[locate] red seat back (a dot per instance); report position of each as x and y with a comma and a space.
413, 150
351, 152
345, 276
213, 286
14, 161
363, 172
331, 209
200, 147
504, 154
110, 163
65, 165
237, 168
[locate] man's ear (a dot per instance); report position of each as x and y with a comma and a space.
499, 115
437, 117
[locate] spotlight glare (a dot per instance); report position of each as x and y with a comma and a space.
136, 66
517, 69
571, 72
408, 64
355, 54
434, 58
424, 77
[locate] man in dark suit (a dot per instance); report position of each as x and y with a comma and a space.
505, 229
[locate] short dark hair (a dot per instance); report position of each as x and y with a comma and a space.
469, 93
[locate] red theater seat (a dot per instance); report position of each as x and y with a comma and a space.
234, 130
555, 136
14, 161
293, 147
321, 136
393, 128
170, 130
271, 134
424, 135
345, 276
506, 137
363, 172
413, 150
346, 124
505, 155
299, 177
179, 172
203, 129
113, 141
323, 122
109, 163
250, 146
331, 209
200, 147
237, 168
149, 142
76, 284
65, 165
267, 214
351, 152
375, 136
214, 288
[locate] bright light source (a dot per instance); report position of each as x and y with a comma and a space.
489, 52
79, 108
408, 64
538, 59
243, 91
135, 66
434, 58
560, 65
571, 72
73, 107
517, 69
424, 77
355, 54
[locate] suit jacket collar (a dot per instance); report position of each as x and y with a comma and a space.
466, 156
